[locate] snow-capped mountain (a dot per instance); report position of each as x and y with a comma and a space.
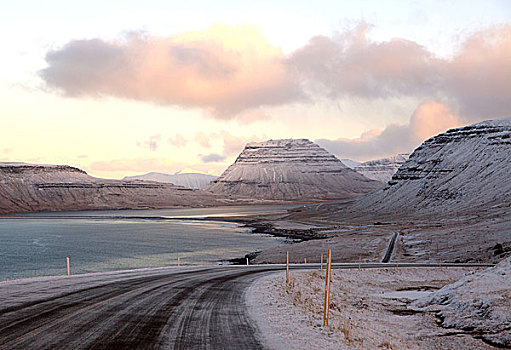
33, 187
350, 163
381, 169
189, 180
465, 168
290, 169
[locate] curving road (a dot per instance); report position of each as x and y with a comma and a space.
187, 308
197, 309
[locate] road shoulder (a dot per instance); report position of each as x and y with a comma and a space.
368, 309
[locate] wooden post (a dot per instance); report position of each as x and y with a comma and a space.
329, 283
178, 261
397, 264
359, 262
68, 266
326, 307
321, 267
287, 267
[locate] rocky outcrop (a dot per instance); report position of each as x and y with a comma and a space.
189, 180
290, 169
33, 187
382, 169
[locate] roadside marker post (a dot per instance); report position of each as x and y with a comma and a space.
305, 260
397, 264
68, 266
359, 262
247, 261
321, 267
287, 267
178, 261
326, 308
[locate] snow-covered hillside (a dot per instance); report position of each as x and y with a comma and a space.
33, 187
189, 180
290, 169
478, 303
382, 169
462, 169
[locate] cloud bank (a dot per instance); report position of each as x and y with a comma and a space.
223, 70
232, 71
476, 80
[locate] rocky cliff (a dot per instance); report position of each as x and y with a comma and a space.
290, 169
382, 169
189, 180
33, 187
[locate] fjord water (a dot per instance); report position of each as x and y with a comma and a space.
37, 244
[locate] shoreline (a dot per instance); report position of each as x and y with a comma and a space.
264, 227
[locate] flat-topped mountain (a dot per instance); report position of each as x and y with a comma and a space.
189, 180
33, 187
290, 169
381, 169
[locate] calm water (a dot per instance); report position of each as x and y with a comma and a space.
37, 244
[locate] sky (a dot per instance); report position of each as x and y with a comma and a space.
119, 88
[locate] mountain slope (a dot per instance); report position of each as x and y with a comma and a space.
462, 169
381, 169
189, 180
33, 187
290, 169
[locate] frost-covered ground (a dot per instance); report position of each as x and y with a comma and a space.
479, 304
368, 310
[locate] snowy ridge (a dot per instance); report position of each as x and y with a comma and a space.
350, 163
189, 180
33, 187
479, 303
462, 169
290, 169
382, 169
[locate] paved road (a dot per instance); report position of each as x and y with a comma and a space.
390, 248
153, 309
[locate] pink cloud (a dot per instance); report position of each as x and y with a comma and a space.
222, 69
429, 119
479, 76
231, 72
476, 80
349, 63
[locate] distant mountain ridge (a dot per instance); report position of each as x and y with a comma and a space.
33, 187
290, 169
382, 169
189, 180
